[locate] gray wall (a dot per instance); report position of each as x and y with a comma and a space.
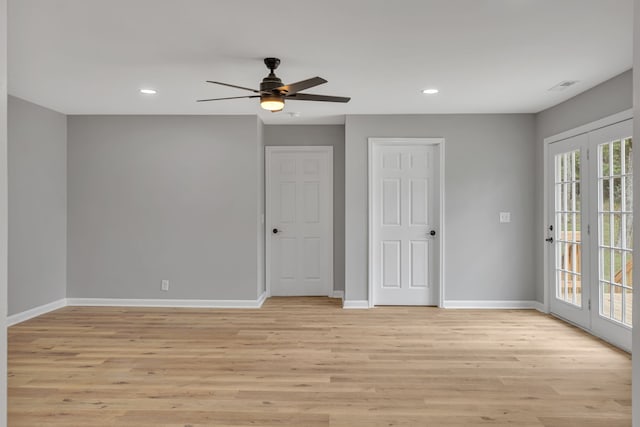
488, 169
37, 151
164, 197
3, 212
608, 98
332, 135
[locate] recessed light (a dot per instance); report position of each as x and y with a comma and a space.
148, 91
430, 91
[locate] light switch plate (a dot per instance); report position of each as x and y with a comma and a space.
505, 217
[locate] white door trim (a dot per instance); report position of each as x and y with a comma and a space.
407, 141
267, 195
589, 127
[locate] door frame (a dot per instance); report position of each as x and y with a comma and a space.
589, 127
268, 151
440, 142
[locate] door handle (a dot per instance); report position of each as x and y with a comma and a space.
275, 231
549, 239
432, 233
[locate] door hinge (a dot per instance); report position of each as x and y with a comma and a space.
589, 229
589, 304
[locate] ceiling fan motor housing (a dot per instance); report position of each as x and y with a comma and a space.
270, 82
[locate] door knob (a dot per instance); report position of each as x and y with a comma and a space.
275, 231
432, 232
549, 239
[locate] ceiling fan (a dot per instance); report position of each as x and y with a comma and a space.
273, 93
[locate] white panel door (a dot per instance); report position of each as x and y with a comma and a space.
299, 220
404, 215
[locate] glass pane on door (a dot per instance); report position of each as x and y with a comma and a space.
568, 238
615, 230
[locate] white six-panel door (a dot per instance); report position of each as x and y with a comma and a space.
404, 191
299, 223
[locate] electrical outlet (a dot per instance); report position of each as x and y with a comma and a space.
505, 217
165, 285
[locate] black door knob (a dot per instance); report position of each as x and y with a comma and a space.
275, 231
432, 232
550, 240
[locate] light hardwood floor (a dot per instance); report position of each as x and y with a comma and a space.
308, 362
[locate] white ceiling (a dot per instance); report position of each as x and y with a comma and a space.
485, 56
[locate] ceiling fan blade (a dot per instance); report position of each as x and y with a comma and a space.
232, 97
237, 87
311, 97
301, 85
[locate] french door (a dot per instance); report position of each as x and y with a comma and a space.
611, 257
590, 231
568, 206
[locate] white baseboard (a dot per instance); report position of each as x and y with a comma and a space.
355, 304
14, 319
177, 303
539, 306
261, 299
494, 304
338, 294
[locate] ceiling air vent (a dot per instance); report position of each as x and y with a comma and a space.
563, 85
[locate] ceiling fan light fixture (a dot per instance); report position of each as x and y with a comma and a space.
272, 103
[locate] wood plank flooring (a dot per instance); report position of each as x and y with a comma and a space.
308, 362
